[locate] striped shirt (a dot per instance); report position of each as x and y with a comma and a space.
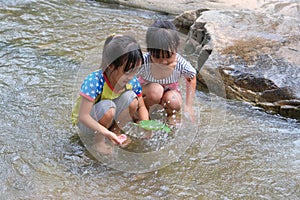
183, 68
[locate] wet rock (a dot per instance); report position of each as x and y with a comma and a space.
278, 94
293, 102
290, 111
250, 82
242, 55
186, 20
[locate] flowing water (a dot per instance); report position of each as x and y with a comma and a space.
47, 47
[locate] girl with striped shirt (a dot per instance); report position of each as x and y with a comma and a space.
162, 69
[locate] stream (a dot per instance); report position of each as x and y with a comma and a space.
232, 151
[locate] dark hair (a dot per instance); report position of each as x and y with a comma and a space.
120, 49
162, 39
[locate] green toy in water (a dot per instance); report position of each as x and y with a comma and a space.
153, 125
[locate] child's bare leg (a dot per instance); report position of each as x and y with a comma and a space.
124, 117
127, 115
172, 103
99, 139
152, 94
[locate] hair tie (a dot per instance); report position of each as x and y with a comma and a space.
112, 34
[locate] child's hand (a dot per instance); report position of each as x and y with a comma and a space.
190, 113
122, 138
112, 137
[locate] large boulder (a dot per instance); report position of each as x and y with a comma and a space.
248, 55
176, 7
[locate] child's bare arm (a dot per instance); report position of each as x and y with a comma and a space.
87, 120
142, 110
190, 93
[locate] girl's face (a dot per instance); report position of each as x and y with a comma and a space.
122, 77
164, 60
163, 66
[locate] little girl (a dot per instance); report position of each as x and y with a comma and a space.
163, 67
111, 94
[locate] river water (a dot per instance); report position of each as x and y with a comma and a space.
47, 47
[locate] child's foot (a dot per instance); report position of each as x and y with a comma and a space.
103, 148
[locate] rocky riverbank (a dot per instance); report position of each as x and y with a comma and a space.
246, 54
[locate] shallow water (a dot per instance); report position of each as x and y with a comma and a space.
46, 48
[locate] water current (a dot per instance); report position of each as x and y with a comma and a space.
47, 47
